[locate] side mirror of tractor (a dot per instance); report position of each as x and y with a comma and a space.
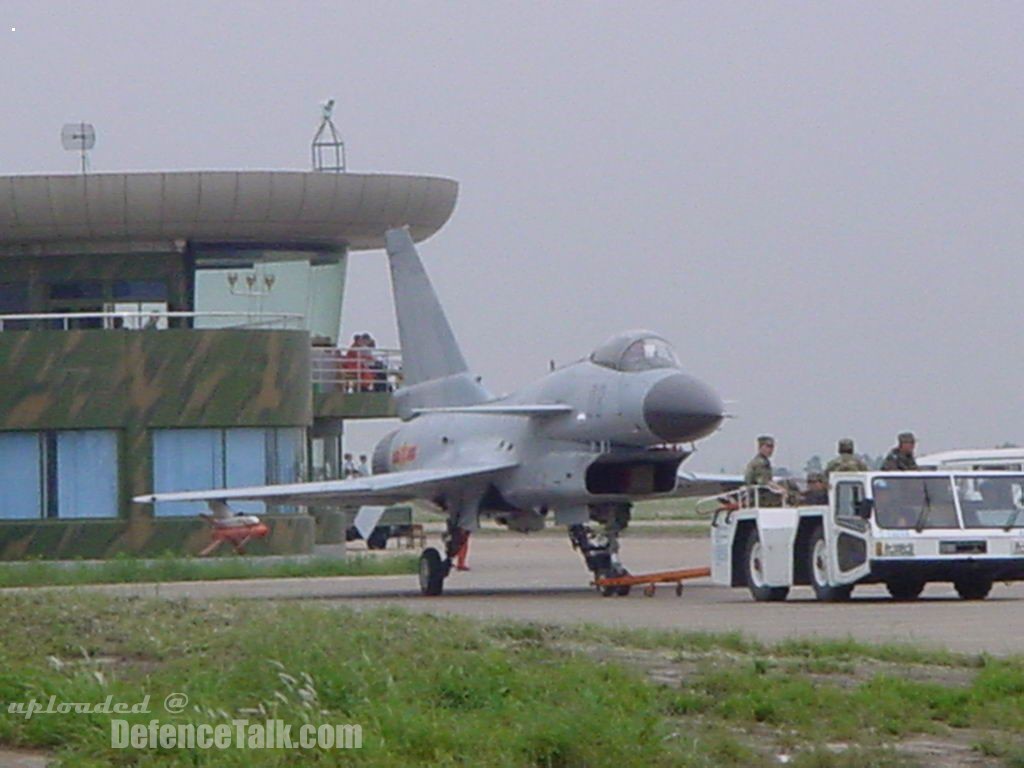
863, 508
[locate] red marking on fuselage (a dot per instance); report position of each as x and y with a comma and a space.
403, 454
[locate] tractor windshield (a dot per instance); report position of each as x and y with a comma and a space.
992, 501
915, 503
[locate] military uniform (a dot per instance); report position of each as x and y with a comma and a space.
846, 461
759, 471
815, 495
896, 460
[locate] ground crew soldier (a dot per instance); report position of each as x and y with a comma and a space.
902, 456
817, 489
846, 461
759, 468
759, 472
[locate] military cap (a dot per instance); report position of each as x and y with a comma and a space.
846, 445
815, 477
765, 440
906, 437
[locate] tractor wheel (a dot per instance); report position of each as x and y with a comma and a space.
973, 588
818, 568
905, 590
754, 559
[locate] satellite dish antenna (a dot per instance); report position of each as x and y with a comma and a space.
79, 137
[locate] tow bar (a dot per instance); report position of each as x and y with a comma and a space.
649, 580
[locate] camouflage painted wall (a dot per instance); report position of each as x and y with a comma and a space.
92, 379
144, 537
337, 404
134, 381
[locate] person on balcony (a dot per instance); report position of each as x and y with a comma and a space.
348, 467
356, 364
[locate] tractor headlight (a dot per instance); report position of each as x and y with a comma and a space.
894, 549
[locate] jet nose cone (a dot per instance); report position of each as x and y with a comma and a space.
680, 408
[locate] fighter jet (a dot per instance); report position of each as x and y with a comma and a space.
578, 446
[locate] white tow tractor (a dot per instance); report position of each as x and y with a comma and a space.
903, 529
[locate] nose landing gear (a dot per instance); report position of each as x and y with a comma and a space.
600, 549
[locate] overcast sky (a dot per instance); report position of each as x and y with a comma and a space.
820, 204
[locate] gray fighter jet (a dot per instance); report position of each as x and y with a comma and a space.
579, 445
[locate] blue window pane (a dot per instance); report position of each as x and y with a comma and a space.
186, 460
85, 289
287, 465
13, 298
140, 290
20, 476
87, 473
289, 455
246, 464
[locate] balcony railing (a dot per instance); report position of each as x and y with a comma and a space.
356, 369
154, 320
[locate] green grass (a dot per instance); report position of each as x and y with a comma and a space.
448, 691
127, 570
736, 643
426, 691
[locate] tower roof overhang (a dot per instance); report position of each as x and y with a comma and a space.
333, 210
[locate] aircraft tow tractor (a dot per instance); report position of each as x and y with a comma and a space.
903, 529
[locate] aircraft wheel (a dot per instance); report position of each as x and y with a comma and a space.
818, 568
905, 590
649, 590
754, 558
614, 591
679, 589
432, 572
975, 588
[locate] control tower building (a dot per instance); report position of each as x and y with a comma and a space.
177, 331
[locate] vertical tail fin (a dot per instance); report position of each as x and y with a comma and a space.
434, 372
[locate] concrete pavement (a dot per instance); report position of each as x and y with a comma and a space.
542, 579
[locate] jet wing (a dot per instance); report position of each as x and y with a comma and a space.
534, 410
697, 484
388, 488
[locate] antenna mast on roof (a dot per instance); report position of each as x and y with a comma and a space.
80, 137
328, 149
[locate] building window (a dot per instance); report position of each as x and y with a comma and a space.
64, 475
78, 291
86, 473
21, 476
14, 300
186, 460
139, 290
204, 459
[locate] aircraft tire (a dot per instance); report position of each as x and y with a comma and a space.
976, 588
432, 572
758, 590
618, 590
818, 569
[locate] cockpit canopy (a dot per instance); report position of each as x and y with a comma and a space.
635, 351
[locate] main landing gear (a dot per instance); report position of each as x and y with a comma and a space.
600, 549
433, 569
